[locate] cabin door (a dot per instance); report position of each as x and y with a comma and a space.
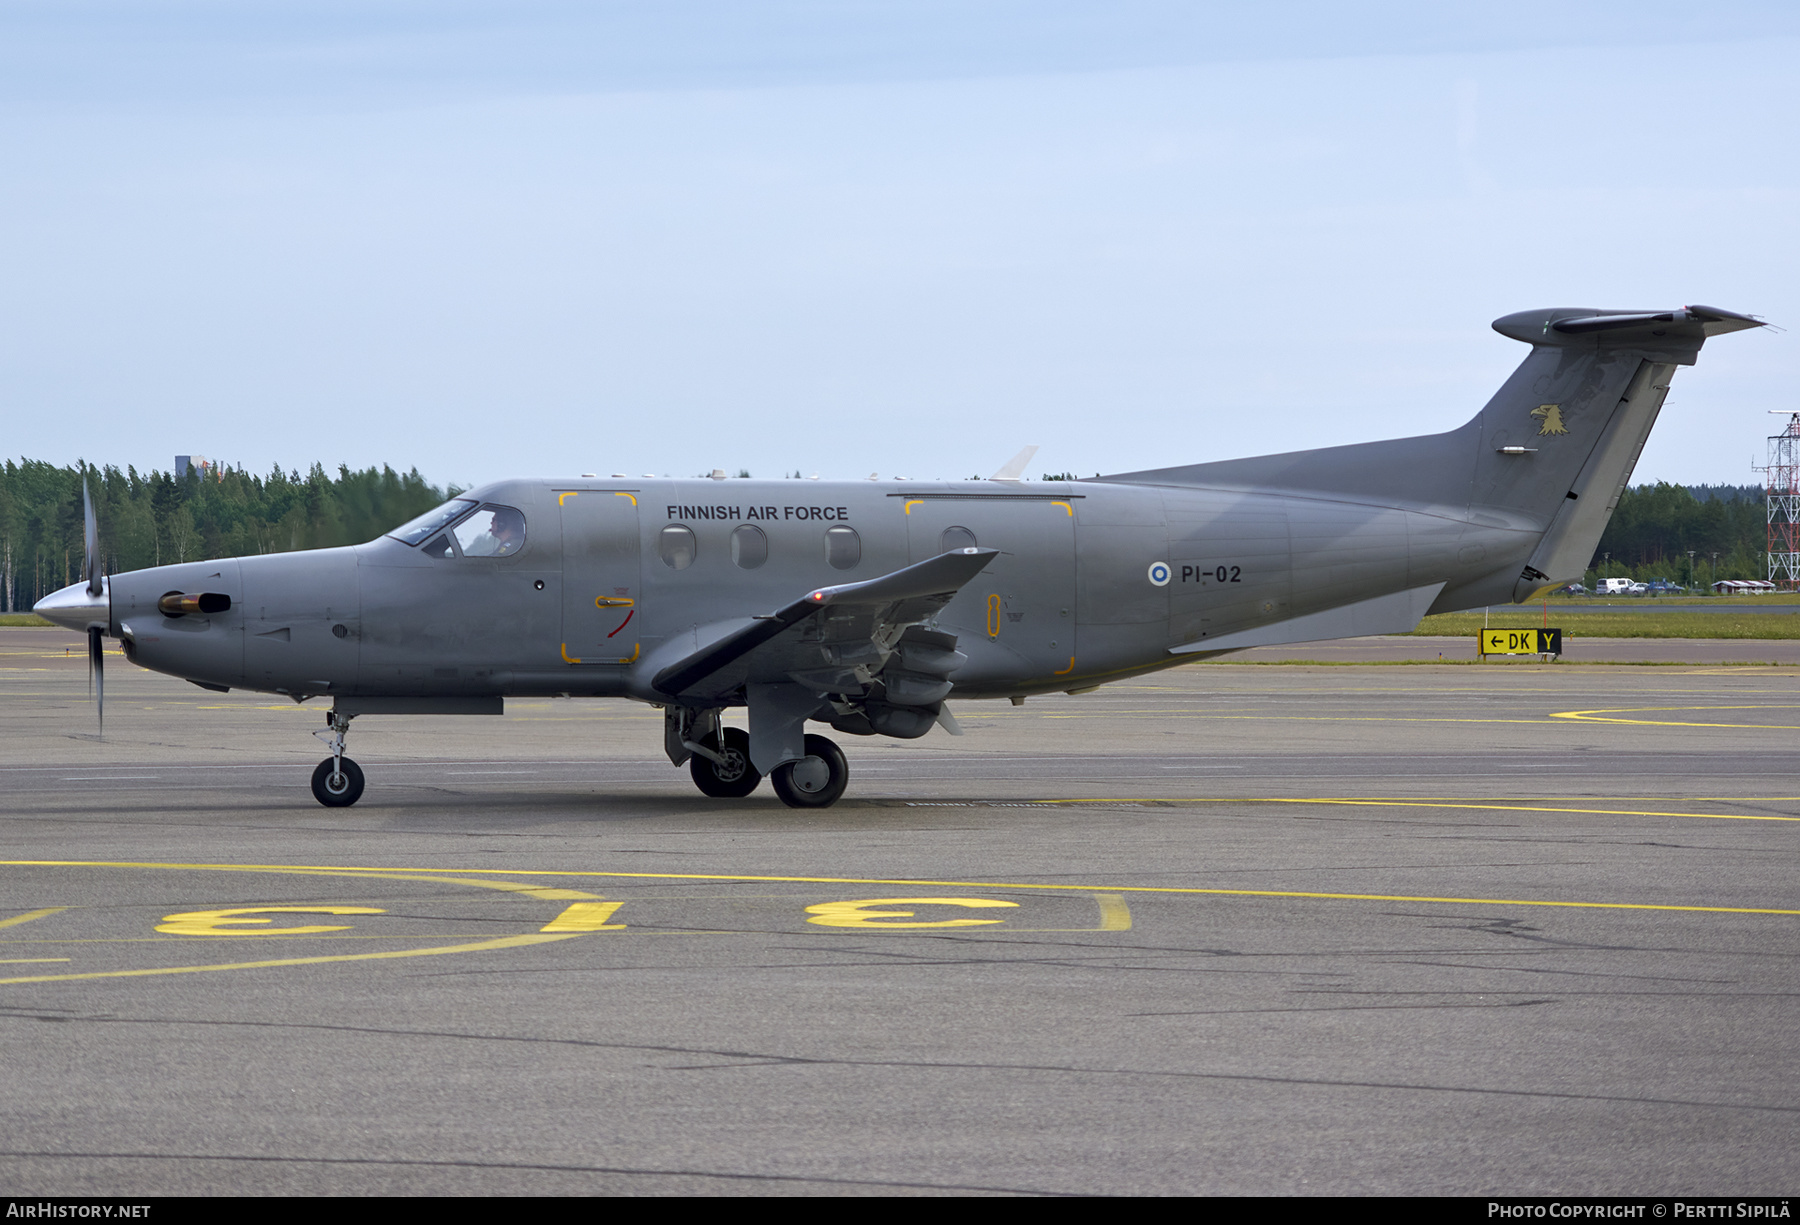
601, 580
1024, 601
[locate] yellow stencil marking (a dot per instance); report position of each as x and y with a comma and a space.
915, 502
1066, 507
632, 658
993, 616
29, 915
609, 601
1066, 670
214, 922
632, 496
564, 497
857, 914
565, 653
585, 917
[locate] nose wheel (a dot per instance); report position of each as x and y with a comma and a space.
816, 780
337, 782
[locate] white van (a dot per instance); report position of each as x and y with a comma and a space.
1614, 586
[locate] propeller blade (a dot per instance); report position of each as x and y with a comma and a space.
91, 537
97, 673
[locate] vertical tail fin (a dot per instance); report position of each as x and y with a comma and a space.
1547, 456
1560, 440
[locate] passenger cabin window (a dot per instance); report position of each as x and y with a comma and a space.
677, 546
492, 531
843, 547
749, 547
956, 538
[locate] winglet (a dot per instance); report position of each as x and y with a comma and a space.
1015, 467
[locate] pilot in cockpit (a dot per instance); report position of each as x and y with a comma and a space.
505, 535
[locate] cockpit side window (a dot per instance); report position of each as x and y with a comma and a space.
437, 546
432, 520
492, 531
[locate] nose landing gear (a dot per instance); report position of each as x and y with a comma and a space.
337, 782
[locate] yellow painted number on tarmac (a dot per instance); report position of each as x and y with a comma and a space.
858, 914
214, 922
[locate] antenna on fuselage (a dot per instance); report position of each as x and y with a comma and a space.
1014, 468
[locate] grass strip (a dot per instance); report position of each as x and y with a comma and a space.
1618, 625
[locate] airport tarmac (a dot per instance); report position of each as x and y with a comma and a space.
1502, 929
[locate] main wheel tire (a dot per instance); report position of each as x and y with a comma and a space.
734, 780
799, 793
337, 789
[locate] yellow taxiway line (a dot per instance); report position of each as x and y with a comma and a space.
1378, 802
503, 942
1067, 887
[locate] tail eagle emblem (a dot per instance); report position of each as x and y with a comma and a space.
1552, 415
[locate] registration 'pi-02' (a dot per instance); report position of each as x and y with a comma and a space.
1203, 572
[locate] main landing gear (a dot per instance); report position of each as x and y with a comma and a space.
337, 782
816, 780
718, 760
727, 773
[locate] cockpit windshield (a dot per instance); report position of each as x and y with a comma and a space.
417, 530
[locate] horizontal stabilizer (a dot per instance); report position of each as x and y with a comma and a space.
1677, 330
1712, 321
938, 578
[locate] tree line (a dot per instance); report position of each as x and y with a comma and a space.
155, 518
1687, 534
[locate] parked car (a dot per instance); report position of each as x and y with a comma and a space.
1572, 589
1662, 586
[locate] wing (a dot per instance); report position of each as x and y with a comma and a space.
830, 640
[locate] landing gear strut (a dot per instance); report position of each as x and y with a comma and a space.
337, 782
816, 780
727, 773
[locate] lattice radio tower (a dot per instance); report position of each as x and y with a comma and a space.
1782, 490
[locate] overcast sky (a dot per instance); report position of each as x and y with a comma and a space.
494, 239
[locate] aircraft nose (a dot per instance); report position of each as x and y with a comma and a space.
73, 608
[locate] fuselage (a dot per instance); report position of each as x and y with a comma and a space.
615, 579
865, 605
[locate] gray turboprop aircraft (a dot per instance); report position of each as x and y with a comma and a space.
865, 605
